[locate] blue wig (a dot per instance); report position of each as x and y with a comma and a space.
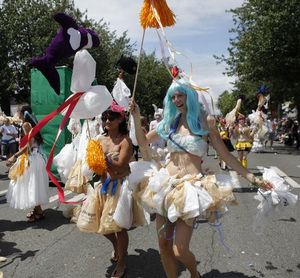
194, 109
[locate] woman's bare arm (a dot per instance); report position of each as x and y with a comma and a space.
13, 158
225, 155
125, 155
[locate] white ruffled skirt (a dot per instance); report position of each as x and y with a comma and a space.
186, 198
32, 188
66, 158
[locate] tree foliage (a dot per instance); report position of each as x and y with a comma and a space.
152, 85
266, 49
27, 28
226, 102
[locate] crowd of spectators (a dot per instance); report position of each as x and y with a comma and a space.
288, 132
10, 128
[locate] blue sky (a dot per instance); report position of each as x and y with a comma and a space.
200, 32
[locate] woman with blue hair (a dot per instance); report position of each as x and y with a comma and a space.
181, 192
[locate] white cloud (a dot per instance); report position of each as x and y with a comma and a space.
195, 18
124, 15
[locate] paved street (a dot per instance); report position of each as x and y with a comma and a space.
55, 248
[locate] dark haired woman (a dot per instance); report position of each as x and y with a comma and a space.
114, 192
29, 180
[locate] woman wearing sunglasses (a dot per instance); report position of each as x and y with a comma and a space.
117, 211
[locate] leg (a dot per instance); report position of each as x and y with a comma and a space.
113, 239
240, 156
216, 154
166, 247
4, 150
244, 160
35, 215
122, 246
38, 209
12, 149
181, 247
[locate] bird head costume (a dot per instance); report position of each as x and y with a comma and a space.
69, 39
158, 112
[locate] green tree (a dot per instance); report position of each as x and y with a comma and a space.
266, 49
153, 82
26, 28
31, 29
226, 102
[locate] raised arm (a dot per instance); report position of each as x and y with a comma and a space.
143, 139
230, 159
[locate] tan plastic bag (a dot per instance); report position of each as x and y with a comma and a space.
89, 216
76, 182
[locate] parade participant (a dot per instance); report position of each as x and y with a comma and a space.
8, 133
158, 115
272, 129
258, 120
90, 129
29, 183
117, 147
71, 161
244, 137
181, 192
225, 134
66, 158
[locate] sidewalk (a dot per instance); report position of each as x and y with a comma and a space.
282, 149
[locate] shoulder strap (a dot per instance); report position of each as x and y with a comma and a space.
173, 128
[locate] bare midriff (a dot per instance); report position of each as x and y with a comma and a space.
182, 164
120, 173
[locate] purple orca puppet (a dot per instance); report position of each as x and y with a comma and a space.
69, 39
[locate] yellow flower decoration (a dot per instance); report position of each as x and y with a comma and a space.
95, 157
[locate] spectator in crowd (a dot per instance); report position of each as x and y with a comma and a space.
295, 133
9, 134
272, 128
158, 115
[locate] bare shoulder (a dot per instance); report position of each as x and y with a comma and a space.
126, 140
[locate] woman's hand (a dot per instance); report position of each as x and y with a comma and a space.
263, 184
134, 108
11, 161
108, 161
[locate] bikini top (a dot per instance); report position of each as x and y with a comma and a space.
193, 144
188, 144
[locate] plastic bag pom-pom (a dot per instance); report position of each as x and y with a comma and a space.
18, 169
147, 17
95, 157
23, 164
